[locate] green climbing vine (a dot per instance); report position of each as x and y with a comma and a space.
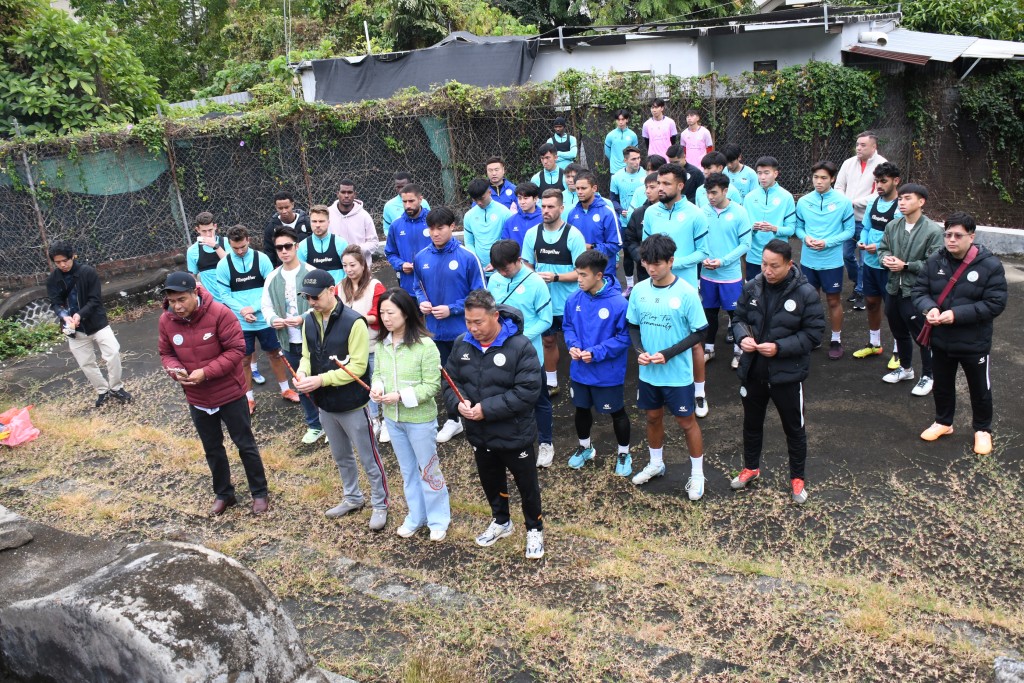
995, 104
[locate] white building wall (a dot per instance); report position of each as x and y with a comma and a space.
734, 54
662, 56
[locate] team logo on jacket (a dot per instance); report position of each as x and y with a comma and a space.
178, 340
776, 201
603, 314
426, 232
508, 193
681, 217
453, 265
597, 218
521, 289
674, 302
499, 359
790, 305
972, 276
493, 217
728, 216
831, 207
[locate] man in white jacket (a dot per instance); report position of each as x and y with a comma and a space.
350, 221
856, 180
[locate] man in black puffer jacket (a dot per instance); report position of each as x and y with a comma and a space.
961, 325
496, 369
778, 320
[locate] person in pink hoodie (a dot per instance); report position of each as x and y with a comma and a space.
350, 221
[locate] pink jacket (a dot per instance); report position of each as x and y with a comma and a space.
355, 227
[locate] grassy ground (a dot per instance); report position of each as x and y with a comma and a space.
913, 575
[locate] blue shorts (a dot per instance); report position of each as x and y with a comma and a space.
752, 270
604, 400
679, 400
875, 280
829, 281
556, 326
715, 294
267, 337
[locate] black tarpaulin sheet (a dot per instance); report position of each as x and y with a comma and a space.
376, 77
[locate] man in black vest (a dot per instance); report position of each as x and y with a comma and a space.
333, 329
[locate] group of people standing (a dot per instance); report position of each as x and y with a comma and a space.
698, 232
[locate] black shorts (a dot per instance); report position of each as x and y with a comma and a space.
556, 326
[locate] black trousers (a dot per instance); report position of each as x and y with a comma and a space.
789, 401
522, 463
979, 384
905, 323
234, 416
627, 263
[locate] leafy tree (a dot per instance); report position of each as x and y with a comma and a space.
60, 75
545, 14
608, 12
995, 19
418, 23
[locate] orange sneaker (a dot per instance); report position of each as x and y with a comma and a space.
799, 492
744, 477
982, 443
290, 395
935, 431
252, 407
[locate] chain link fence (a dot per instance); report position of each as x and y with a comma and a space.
125, 208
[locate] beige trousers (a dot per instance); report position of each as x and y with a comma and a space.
83, 348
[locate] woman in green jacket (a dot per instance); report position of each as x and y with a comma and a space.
406, 378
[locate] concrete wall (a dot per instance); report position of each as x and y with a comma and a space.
676, 56
734, 54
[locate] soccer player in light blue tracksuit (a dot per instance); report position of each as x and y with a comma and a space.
617, 140
772, 210
408, 237
741, 176
595, 219
483, 222
687, 225
721, 279
597, 337
521, 288
551, 249
527, 216
624, 184
322, 250
666, 320
445, 272
394, 207
824, 220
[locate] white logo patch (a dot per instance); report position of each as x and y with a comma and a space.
499, 359
453, 265
776, 201
597, 218
743, 392
790, 305
508, 193
178, 340
603, 314
426, 232
207, 336
493, 217
728, 216
674, 302
681, 217
972, 276
831, 207
572, 394
521, 289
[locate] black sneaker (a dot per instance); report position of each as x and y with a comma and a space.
858, 303
852, 297
121, 395
101, 399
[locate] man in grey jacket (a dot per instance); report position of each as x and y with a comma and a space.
906, 245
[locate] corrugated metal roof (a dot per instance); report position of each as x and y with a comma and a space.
935, 46
920, 60
995, 49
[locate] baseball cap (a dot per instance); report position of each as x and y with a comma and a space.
316, 281
559, 121
180, 281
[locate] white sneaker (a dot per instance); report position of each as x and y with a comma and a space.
695, 488
534, 544
898, 375
450, 429
700, 406
383, 436
377, 424
735, 361
438, 534
923, 387
493, 533
406, 531
545, 454
648, 473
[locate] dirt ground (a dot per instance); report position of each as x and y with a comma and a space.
905, 564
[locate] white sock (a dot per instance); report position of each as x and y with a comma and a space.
875, 337
698, 388
623, 449
552, 378
657, 456
836, 336
736, 349
629, 280
253, 367
585, 443
697, 467
894, 349
283, 385
248, 395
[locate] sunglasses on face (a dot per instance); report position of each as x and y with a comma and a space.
285, 247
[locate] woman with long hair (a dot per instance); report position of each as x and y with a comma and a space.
360, 291
405, 381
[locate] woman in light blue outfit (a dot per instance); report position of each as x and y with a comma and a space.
406, 378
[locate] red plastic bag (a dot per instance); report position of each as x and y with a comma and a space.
17, 426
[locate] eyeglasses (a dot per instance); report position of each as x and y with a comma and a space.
954, 235
285, 247
311, 297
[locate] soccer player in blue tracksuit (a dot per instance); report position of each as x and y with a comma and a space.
394, 207
483, 222
551, 249
687, 225
741, 176
824, 220
624, 184
597, 337
445, 272
502, 191
409, 236
323, 250
617, 140
772, 210
527, 216
519, 287
721, 280
665, 320
596, 220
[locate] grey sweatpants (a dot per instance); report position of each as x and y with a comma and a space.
353, 429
